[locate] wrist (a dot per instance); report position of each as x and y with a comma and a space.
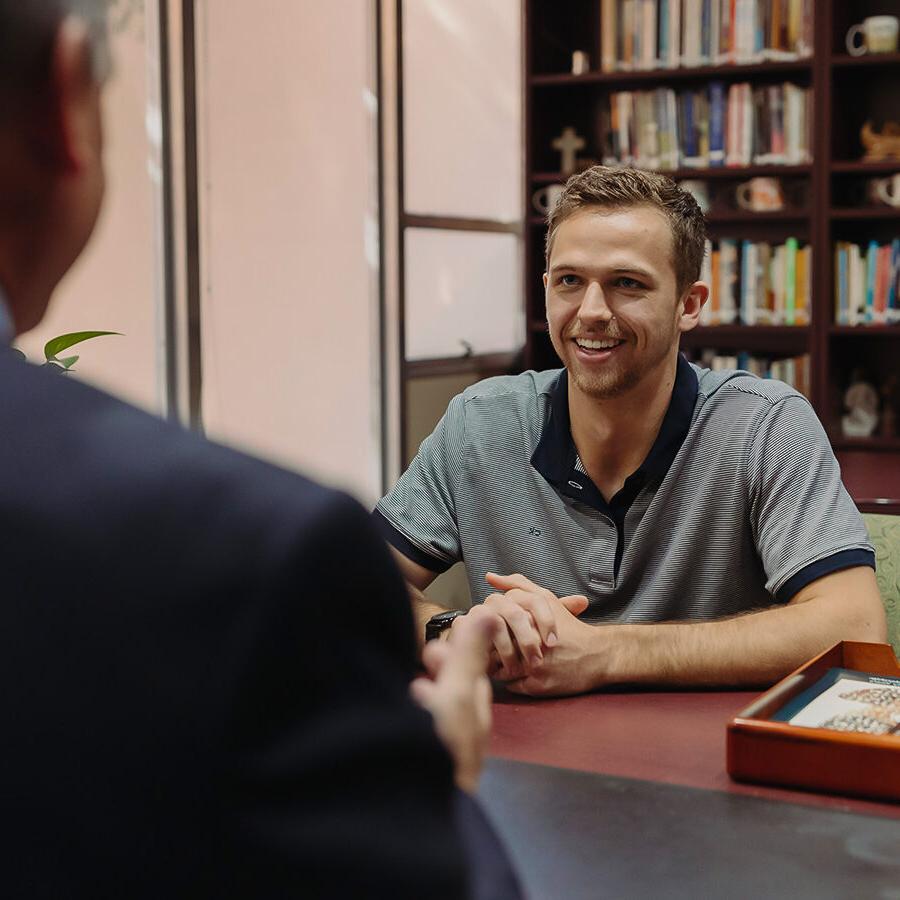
617, 654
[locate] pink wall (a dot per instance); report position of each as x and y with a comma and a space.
290, 329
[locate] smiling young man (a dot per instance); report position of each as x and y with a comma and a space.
653, 522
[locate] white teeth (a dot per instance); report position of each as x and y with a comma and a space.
596, 345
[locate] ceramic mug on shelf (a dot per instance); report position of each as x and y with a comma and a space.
878, 33
761, 194
544, 199
700, 191
885, 190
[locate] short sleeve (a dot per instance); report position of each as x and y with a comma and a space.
418, 517
804, 521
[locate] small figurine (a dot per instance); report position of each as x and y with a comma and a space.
861, 403
881, 146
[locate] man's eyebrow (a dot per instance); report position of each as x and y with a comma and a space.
618, 270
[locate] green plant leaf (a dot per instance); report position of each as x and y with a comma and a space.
64, 341
68, 361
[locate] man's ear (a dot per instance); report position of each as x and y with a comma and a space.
690, 305
69, 132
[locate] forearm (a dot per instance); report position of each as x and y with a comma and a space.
753, 649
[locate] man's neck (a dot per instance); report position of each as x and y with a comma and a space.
613, 435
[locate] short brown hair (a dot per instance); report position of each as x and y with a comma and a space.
621, 188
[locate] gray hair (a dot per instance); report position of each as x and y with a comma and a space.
27, 30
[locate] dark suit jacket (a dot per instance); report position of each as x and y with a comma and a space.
204, 666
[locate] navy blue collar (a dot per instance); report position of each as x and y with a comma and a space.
555, 456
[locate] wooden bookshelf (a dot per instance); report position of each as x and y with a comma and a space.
847, 91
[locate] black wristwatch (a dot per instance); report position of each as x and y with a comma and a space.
441, 622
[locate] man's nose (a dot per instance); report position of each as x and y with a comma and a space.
593, 305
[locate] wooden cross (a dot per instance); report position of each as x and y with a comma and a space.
568, 143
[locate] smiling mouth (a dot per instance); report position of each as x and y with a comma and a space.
598, 345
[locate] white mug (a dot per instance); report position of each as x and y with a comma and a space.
761, 194
885, 190
879, 35
545, 199
700, 191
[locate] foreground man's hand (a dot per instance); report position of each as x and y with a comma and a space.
457, 693
545, 648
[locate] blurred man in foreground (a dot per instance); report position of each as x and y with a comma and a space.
169, 728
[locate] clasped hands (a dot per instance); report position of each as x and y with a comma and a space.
541, 648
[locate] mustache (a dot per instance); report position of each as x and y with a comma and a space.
609, 334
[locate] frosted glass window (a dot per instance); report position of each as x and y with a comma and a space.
462, 108
462, 293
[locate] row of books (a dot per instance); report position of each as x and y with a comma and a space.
649, 34
867, 283
717, 125
757, 283
793, 371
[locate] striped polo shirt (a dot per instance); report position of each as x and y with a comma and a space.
739, 503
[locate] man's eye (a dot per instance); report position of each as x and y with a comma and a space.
568, 280
629, 283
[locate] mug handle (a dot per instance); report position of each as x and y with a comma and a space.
539, 201
883, 188
852, 49
742, 195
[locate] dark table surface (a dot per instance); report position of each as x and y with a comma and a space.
626, 795
575, 835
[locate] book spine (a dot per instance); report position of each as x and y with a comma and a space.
728, 271
705, 33
716, 123
626, 30
801, 315
747, 124
892, 310
715, 30
648, 38
662, 38
857, 286
674, 33
790, 281
715, 282
882, 274
871, 264
841, 281
748, 283
608, 29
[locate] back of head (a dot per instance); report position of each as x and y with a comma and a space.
27, 30
607, 188
54, 57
